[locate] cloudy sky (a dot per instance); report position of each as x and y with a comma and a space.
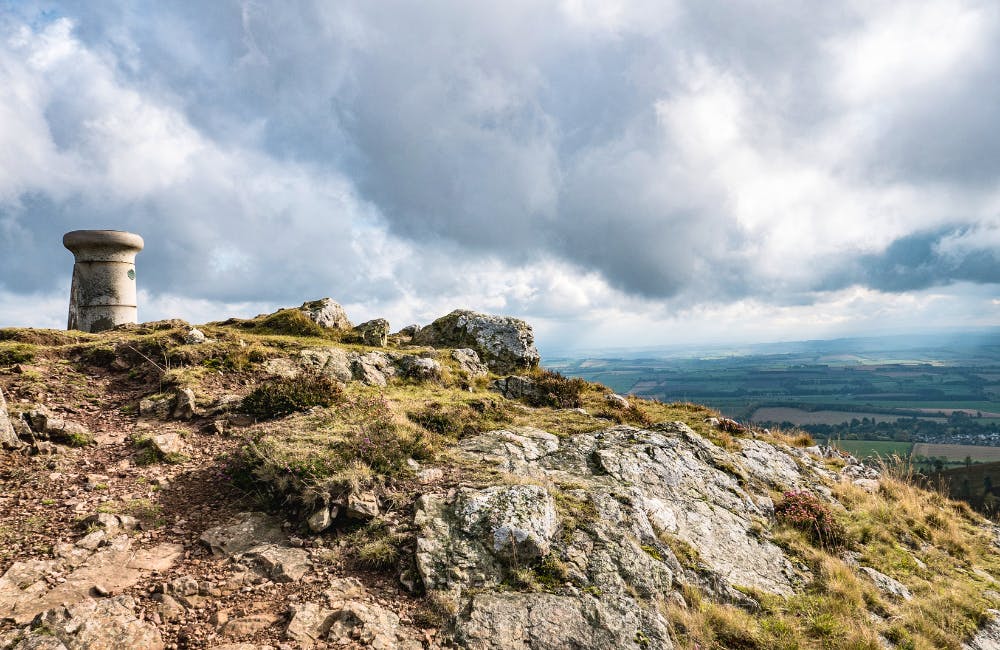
618, 173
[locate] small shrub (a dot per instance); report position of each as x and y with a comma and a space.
379, 554
290, 322
288, 395
557, 391
804, 511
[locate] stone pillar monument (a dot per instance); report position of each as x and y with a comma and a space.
103, 293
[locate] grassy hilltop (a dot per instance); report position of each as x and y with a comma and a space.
366, 483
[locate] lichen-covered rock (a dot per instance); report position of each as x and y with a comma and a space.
505, 344
419, 367
374, 332
8, 437
195, 337
516, 522
184, 405
334, 363
511, 450
517, 387
246, 530
326, 313
988, 637
887, 585
469, 362
373, 368
46, 424
538, 620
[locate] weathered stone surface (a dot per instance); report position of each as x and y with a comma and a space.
505, 344
638, 493
320, 520
25, 592
888, 586
373, 368
195, 337
516, 387
419, 367
156, 406
309, 623
334, 363
507, 621
279, 563
374, 332
516, 522
469, 362
8, 437
98, 625
988, 637
326, 313
46, 424
184, 406
372, 627
245, 531
511, 450
361, 505
167, 444
238, 628
616, 401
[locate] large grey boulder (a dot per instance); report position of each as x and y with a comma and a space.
374, 332
8, 438
504, 343
326, 313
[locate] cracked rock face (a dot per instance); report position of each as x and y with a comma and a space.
515, 522
503, 343
627, 499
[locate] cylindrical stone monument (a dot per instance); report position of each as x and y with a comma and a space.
103, 292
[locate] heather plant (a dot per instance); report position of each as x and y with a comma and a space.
803, 511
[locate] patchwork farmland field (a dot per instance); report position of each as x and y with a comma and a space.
957, 453
872, 448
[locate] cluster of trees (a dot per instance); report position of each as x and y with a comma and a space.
902, 430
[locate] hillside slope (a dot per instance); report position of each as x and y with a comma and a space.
292, 482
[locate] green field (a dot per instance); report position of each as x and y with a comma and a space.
872, 448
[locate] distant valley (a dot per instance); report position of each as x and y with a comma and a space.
874, 395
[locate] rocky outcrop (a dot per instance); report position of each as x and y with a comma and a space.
374, 332
8, 438
633, 499
469, 363
419, 367
505, 344
517, 387
48, 425
326, 313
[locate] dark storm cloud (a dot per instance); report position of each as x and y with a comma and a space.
511, 130
919, 261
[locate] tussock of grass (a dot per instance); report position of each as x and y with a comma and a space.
12, 353
288, 395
